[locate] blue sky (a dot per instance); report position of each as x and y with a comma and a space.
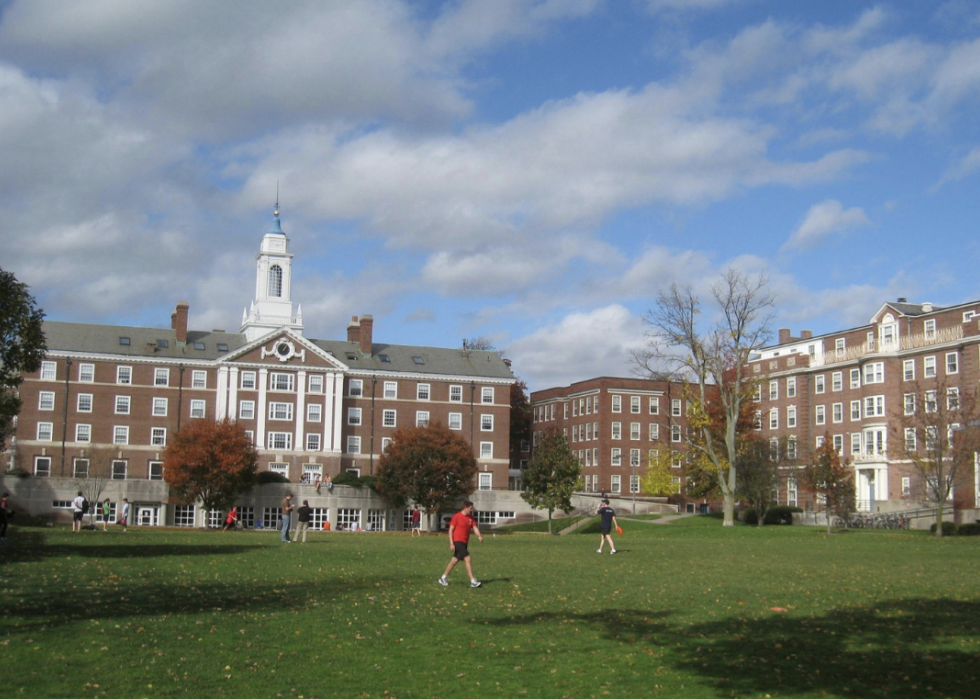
532, 171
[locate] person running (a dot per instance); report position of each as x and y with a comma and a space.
77, 511
125, 515
459, 537
106, 509
416, 522
232, 519
608, 521
305, 514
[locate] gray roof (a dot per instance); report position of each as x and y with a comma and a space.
145, 342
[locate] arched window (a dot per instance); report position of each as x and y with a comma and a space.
275, 281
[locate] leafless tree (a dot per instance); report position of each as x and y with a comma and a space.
92, 473
712, 361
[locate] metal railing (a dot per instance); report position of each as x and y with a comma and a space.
899, 344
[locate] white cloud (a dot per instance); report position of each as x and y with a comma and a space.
822, 221
964, 167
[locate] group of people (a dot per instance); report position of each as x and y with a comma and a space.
80, 507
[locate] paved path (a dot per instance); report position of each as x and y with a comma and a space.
664, 519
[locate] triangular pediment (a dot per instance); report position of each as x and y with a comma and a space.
283, 348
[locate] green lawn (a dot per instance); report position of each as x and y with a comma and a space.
685, 609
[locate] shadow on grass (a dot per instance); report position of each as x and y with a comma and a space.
913, 647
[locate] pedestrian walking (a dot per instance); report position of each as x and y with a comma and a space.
287, 507
416, 522
459, 538
125, 515
304, 514
77, 511
607, 521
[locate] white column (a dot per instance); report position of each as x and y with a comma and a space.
300, 408
260, 415
233, 393
338, 409
221, 399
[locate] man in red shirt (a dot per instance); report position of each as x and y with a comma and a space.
459, 537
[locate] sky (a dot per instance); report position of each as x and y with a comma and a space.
530, 171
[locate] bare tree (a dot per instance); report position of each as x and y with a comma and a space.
92, 474
479, 343
938, 431
712, 362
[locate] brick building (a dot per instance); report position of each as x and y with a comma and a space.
313, 407
854, 385
614, 426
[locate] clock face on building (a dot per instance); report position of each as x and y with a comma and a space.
283, 349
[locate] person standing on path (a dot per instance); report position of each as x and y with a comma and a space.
125, 515
77, 511
608, 521
305, 514
416, 522
287, 507
106, 509
459, 538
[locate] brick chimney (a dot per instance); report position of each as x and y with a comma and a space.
806, 334
353, 330
179, 321
367, 334
785, 335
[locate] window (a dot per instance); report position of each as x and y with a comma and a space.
86, 373
837, 412
124, 341
156, 470
791, 492
634, 457
617, 404
84, 404
80, 468
184, 516
248, 380
197, 408
355, 388
839, 442
774, 419
486, 481
159, 408
275, 281
855, 410
314, 412
198, 345
391, 389
486, 450
820, 414
246, 410
588, 432
222, 346
910, 404
774, 448
422, 418
791, 387
818, 383
837, 381
635, 404
486, 423
353, 416
280, 441
855, 442
455, 394
49, 371
158, 436
163, 344
45, 431
124, 375
952, 363
455, 421
930, 402
122, 405
615, 483
929, 367
932, 440
315, 383
385, 443
840, 344
284, 411
281, 382
161, 377
422, 391
282, 470
250, 435
312, 442
83, 433
616, 456
908, 370
929, 328
42, 466
773, 390
910, 442
757, 420
874, 406
874, 372
675, 433
791, 448
906, 487
654, 405
389, 418
874, 441
675, 407
653, 431
348, 518
617, 430
791, 416
486, 394
120, 434
952, 398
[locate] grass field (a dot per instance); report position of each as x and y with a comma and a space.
685, 609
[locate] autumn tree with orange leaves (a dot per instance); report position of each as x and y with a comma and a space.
213, 462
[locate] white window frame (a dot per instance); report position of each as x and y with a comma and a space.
654, 405
486, 450
615, 483
161, 376
616, 456
199, 378
908, 370
837, 413
123, 404
486, 423
423, 391
874, 406
616, 430
486, 481
421, 418
120, 434
83, 433
86, 373
952, 363
634, 431
314, 383
247, 381
45, 400
314, 412
355, 388
837, 381
929, 367
279, 441
455, 421
791, 416
313, 441
855, 410
283, 382
819, 383
486, 395
49, 371
391, 390
158, 436
42, 471
455, 393
353, 416
45, 431
774, 419
820, 415
159, 407
280, 411
791, 387
246, 410
874, 372
855, 378
389, 418
198, 408
653, 432
124, 375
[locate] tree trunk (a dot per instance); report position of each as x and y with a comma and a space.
939, 517
729, 510
549, 522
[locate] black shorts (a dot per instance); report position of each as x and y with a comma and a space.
77, 516
461, 553
606, 531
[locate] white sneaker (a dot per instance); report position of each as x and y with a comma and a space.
612, 552
475, 583
443, 581
598, 550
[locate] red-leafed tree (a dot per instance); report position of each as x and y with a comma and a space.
831, 479
213, 462
431, 467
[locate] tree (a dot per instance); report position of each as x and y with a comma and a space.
712, 363
22, 346
553, 474
213, 462
431, 467
659, 478
93, 473
938, 431
479, 343
831, 480
759, 467
520, 420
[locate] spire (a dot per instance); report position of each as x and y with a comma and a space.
276, 226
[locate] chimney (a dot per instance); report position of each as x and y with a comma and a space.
806, 334
179, 320
353, 330
785, 335
367, 334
